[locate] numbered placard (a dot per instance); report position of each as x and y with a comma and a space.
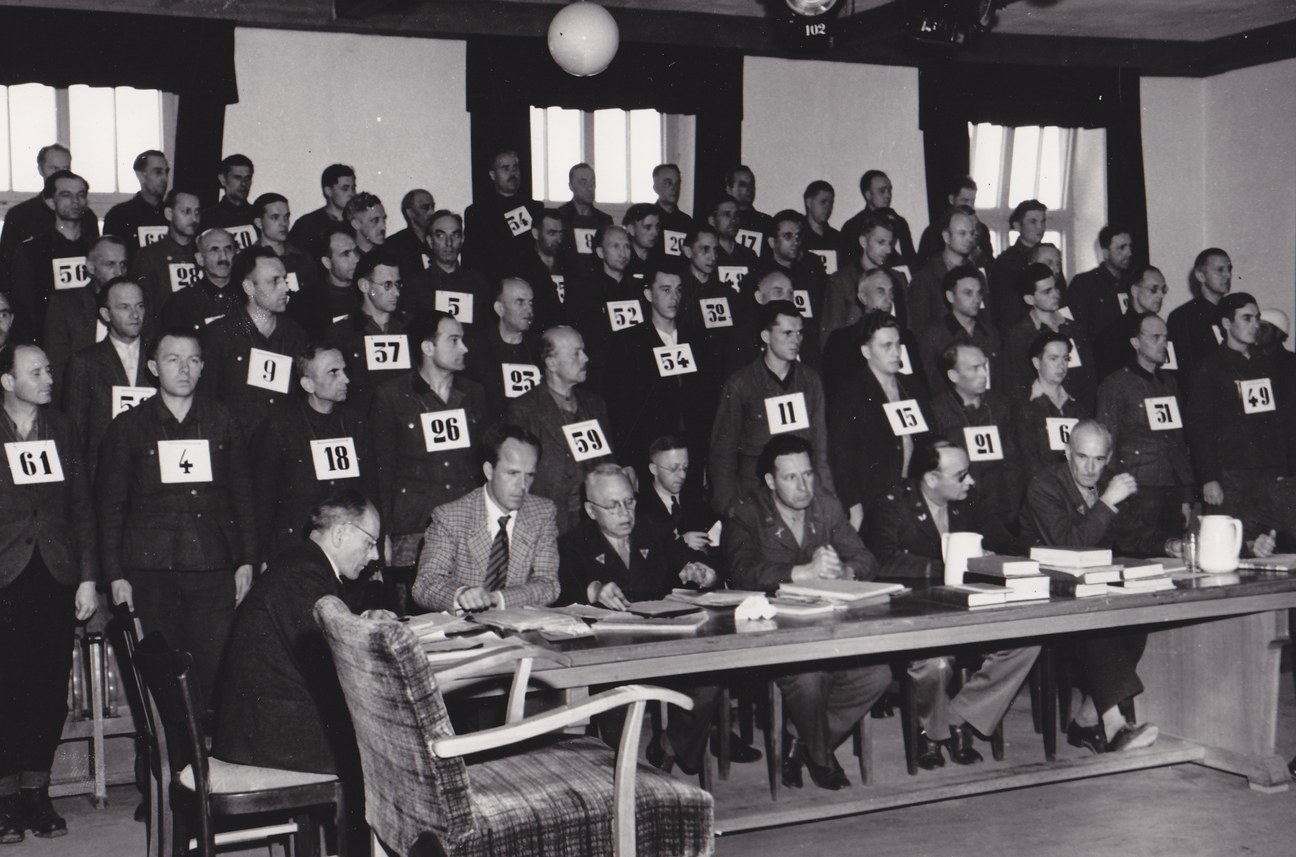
209, 319
184, 461
518, 220
906, 365
70, 272
750, 239
829, 259
445, 430
182, 275
673, 242
1163, 413
426, 260
715, 313
584, 240
787, 413
586, 440
101, 331
1172, 359
519, 378
905, 417
387, 351
801, 298
335, 458
146, 235
732, 274
674, 360
1123, 299
1073, 360
623, 314
1059, 431
1066, 313
125, 398
33, 462
1257, 396
1218, 334
269, 370
244, 236
560, 286
457, 305
294, 284
983, 443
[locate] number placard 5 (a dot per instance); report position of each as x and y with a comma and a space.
983, 443
750, 239
586, 440
1163, 413
1059, 431
387, 351
125, 398
674, 360
518, 220
787, 413
519, 378
1257, 396
445, 430
184, 461
715, 312
335, 458
458, 305
70, 272
34, 462
905, 417
623, 314
269, 370
182, 275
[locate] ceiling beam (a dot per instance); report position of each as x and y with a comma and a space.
359, 9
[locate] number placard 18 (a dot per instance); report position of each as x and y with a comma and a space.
787, 413
387, 351
445, 430
1163, 413
905, 417
335, 458
33, 462
586, 440
269, 370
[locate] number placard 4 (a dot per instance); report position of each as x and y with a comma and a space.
905, 417
387, 351
787, 413
70, 272
269, 370
458, 305
801, 298
518, 220
751, 239
184, 461
125, 398
519, 378
1163, 413
674, 360
829, 259
182, 275
1257, 396
673, 242
335, 458
715, 312
1059, 431
445, 430
983, 443
623, 314
33, 462
584, 239
586, 440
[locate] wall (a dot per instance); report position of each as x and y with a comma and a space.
805, 120
393, 108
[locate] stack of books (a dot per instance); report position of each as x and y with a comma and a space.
1019, 576
1077, 572
969, 595
1142, 575
853, 593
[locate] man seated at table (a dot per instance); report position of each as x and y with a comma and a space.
1076, 504
905, 528
615, 557
497, 546
789, 531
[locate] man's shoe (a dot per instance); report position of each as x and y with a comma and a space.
884, 707
960, 746
829, 776
1086, 736
1133, 736
11, 822
38, 813
929, 754
738, 751
792, 762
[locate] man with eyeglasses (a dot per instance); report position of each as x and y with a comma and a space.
56, 259
373, 337
667, 497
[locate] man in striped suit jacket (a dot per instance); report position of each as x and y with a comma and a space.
497, 546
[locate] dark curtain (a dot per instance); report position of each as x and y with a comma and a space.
192, 58
952, 95
506, 77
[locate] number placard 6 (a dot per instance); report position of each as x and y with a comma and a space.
983, 443
1059, 431
586, 440
335, 458
787, 413
34, 462
269, 370
387, 351
458, 305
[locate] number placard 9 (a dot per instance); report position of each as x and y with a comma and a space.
269, 370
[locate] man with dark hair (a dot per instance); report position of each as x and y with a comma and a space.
499, 226
281, 705
842, 358
735, 262
333, 297
167, 264
497, 546
806, 271
1194, 326
666, 496
775, 394
607, 301
33, 216
1147, 292
411, 244
818, 237
643, 225
754, 227
233, 212
1094, 296
875, 187
271, 221
965, 320
581, 222
505, 359
73, 321
47, 528
140, 220
540, 264
445, 284
927, 292
338, 185
705, 300
1030, 219
675, 224
211, 297
841, 308
55, 259
177, 515
1044, 412
1037, 289
365, 214
961, 195
791, 530
372, 338
249, 353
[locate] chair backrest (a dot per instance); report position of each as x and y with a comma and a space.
126, 638
397, 711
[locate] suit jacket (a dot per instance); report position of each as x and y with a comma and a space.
1055, 514
281, 705
1015, 371
1030, 426
842, 360
904, 536
866, 455
88, 393
585, 555
457, 545
71, 324
999, 481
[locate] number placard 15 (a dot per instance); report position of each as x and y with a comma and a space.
905, 417
335, 458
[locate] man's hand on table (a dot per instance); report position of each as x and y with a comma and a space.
825, 565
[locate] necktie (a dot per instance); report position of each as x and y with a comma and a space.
497, 563
675, 511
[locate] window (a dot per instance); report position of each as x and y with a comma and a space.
105, 127
1064, 168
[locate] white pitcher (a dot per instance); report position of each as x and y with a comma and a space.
957, 548
1220, 544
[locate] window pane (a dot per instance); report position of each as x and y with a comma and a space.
987, 156
564, 149
645, 153
139, 127
4, 138
539, 153
32, 118
1051, 168
610, 155
92, 115
1025, 164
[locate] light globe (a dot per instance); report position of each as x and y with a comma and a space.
583, 39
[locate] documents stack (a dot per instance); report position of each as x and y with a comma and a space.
1142, 575
1018, 576
1077, 572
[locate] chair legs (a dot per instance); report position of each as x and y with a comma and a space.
774, 738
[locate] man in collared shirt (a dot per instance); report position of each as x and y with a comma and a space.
54, 260
498, 545
505, 359
581, 222
1194, 326
73, 321
666, 496
140, 220
177, 520
33, 216
233, 213
592, 303
927, 292
841, 306
775, 394
212, 297
643, 225
109, 376
1093, 295
1037, 288
790, 530
373, 337
368, 220
445, 284
842, 360
1147, 292
168, 264
705, 300
1029, 219
754, 226
875, 187
818, 236
1044, 412
965, 321
675, 224
338, 185
272, 218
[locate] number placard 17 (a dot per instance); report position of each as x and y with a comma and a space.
750, 239
445, 430
787, 413
335, 458
33, 462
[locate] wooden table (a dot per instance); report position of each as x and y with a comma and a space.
1210, 672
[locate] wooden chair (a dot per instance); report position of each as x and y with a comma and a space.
203, 789
862, 743
526, 790
151, 744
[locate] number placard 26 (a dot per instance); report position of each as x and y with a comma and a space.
445, 430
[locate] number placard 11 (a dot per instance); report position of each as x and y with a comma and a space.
335, 458
33, 462
905, 417
787, 413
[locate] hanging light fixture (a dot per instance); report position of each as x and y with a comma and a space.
583, 39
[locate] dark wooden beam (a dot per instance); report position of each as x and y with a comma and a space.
359, 9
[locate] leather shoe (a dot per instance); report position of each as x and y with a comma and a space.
11, 823
1133, 736
829, 776
884, 707
960, 747
656, 753
738, 751
1086, 736
929, 754
792, 762
39, 815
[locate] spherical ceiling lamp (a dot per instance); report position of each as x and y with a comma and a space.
583, 39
